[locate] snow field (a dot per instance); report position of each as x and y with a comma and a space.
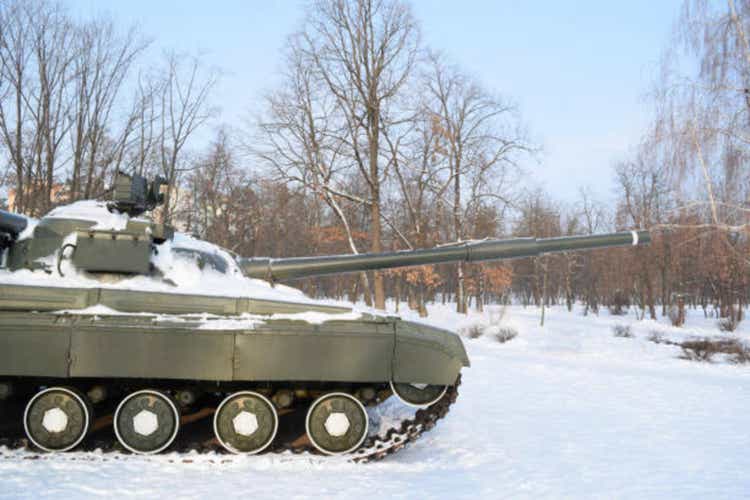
564, 411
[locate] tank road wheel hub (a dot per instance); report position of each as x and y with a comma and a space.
419, 395
146, 422
336, 423
246, 422
56, 419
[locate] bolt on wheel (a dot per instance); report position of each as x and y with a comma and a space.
419, 395
57, 419
336, 423
246, 422
146, 422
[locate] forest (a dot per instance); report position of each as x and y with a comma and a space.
374, 141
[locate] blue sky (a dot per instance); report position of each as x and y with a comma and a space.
578, 70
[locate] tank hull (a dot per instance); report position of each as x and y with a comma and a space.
249, 347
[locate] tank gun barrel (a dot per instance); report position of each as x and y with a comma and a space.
12, 224
469, 251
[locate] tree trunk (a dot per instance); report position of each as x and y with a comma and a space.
479, 290
421, 301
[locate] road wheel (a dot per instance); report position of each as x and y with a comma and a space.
146, 422
419, 395
336, 423
246, 422
57, 419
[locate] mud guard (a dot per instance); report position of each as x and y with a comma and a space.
427, 355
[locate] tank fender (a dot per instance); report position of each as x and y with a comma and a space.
427, 355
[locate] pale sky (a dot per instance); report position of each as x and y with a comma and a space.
578, 70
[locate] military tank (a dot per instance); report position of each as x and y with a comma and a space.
116, 331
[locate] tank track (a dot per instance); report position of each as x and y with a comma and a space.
375, 448
396, 438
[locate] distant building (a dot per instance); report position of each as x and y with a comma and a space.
59, 194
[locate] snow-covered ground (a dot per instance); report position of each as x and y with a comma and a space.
568, 410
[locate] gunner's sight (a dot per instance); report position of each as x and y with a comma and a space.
134, 194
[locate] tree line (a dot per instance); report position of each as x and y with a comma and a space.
373, 141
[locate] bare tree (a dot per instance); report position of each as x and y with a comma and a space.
53, 37
60, 111
593, 219
703, 116
298, 140
364, 51
15, 56
102, 60
35, 55
480, 139
145, 120
184, 107
411, 156
540, 218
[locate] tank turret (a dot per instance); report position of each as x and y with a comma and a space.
97, 236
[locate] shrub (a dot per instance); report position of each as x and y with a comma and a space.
727, 324
706, 349
622, 331
656, 337
741, 356
493, 328
474, 331
505, 334
698, 350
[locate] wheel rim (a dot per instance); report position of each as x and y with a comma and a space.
146, 422
246, 423
337, 423
418, 395
56, 419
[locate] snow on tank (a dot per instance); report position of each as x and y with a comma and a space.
183, 264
